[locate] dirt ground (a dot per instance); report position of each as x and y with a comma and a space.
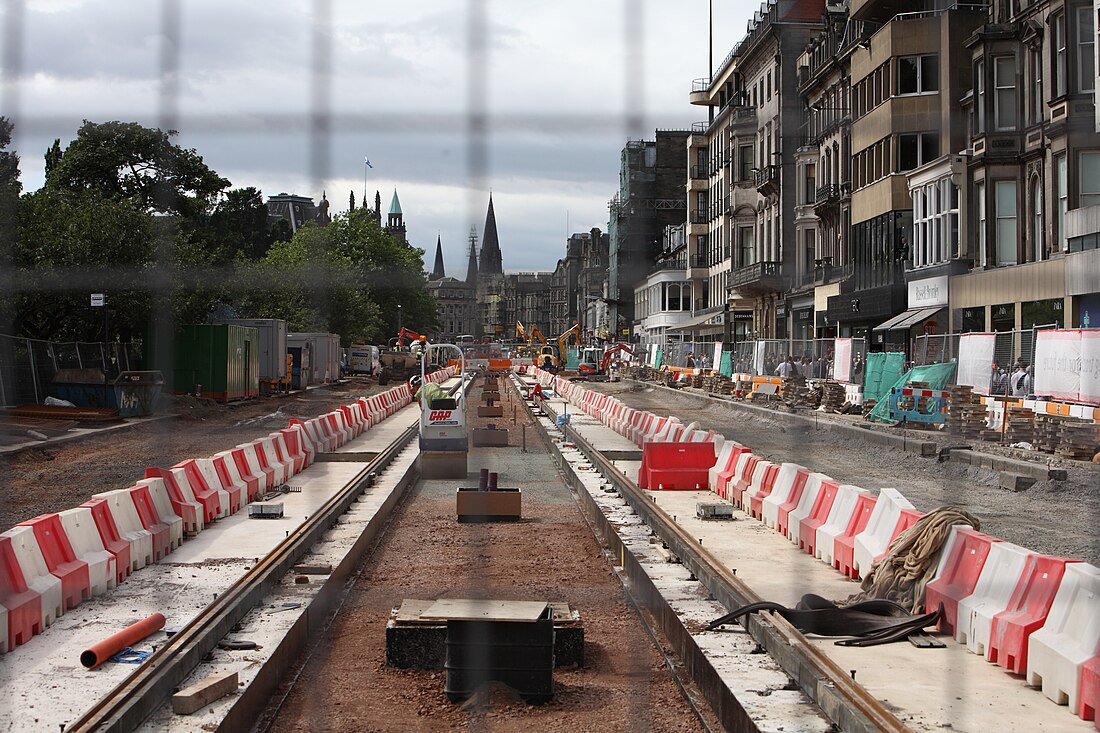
57, 477
1053, 517
550, 555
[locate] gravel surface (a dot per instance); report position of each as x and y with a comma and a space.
550, 555
57, 477
1053, 517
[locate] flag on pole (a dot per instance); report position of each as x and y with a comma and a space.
366, 162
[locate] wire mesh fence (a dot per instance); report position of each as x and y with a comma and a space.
29, 367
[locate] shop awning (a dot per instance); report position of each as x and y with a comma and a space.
909, 318
697, 323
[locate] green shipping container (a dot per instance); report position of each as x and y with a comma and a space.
223, 358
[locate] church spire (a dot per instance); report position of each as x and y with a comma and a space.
491, 260
471, 267
437, 271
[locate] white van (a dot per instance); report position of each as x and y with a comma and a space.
364, 359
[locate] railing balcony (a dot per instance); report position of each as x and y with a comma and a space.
700, 127
762, 277
666, 265
700, 85
826, 196
767, 178
701, 260
699, 217
699, 171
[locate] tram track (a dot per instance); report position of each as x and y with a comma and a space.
846, 703
127, 706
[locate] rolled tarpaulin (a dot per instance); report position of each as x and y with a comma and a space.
100, 652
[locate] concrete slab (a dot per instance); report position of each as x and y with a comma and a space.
45, 684
934, 689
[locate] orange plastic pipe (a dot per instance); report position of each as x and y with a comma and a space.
100, 652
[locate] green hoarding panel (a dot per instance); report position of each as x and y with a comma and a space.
726, 367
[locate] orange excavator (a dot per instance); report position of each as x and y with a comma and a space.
597, 368
402, 360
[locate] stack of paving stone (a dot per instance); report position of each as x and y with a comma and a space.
1020, 425
833, 395
697, 381
1078, 439
718, 384
795, 392
965, 412
868, 405
1047, 431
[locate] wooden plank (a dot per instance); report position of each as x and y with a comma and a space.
204, 692
465, 609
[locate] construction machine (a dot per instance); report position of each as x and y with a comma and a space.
596, 362
402, 360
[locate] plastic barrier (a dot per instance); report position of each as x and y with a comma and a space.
215, 500
818, 514
789, 483
675, 466
60, 558
844, 546
1026, 611
763, 482
227, 464
110, 537
1057, 653
350, 422
294, 446
268, 458
236, 491
36, 576
874, 540
129, 526
961, 561
742, 480
183, 501
794, 498
158, 493
792, 526
1090, 691
1000, 575
248, 464
840, 515
161, 532
725, 476
82, 533
23, 613
727, 457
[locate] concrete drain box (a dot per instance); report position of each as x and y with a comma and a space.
490, 410
503, 641
442, 464
490, 437
413, 642
488, 505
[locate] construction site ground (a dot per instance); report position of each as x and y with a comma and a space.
60, 475
550, 555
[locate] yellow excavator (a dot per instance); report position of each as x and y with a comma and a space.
552, 356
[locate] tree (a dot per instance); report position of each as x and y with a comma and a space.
69, 245
53, 157
125, 160
10, 187
239, 226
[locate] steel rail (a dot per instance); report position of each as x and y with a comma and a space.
845, 702
133, 700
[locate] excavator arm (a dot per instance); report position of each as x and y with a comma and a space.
563, 340
407, 335
605, 362
521, 332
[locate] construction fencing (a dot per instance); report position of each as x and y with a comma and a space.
28, 366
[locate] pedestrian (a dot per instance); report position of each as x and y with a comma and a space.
806, 368
787, 369
690, 361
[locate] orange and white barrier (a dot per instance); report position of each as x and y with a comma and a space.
840, 516
84, 538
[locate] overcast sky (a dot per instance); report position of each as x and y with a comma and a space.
562, 89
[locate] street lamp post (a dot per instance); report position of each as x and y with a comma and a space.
399, 317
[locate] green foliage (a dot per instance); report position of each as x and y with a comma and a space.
9, 201
53, 157
128, 161
238, 227
70, 245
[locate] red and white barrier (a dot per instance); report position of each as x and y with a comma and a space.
84, 538
961, 561
840, 516
1057, 653
1004, 566
873, 541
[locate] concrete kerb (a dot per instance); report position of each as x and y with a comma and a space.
924, 448
132, 423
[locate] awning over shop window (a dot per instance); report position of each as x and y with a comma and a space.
908, 319
696, 324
